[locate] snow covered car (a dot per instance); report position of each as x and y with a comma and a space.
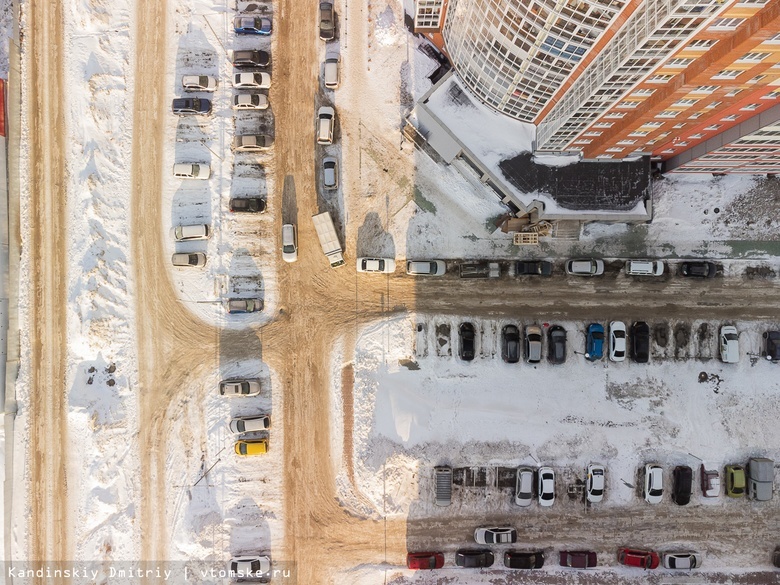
248, 424
682, 560
729, 344
252, 81
250, 101
654, 483
240, 387
252, 142
199, 83
617, 341
595, 483
710, 482
426, 267
376, 265
197, 259
250, 567
252, 25
498, 535
546, 486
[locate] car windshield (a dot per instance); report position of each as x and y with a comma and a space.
289, 249
656, 492
597, 335
243, 387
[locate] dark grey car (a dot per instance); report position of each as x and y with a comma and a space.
556, 347
243, 59
191, 106
327, 21
510, 344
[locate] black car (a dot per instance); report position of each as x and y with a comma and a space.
698, 269
243, 59
191, 106
514, 559
776, 557
772, 349
466, 333
640, 342
474, 558
533, 267
510, 344
248, 205
556, 344
683, 479
327, 21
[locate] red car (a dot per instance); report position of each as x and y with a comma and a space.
425, 560
644, 559
577, 559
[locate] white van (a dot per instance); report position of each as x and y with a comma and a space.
644, 268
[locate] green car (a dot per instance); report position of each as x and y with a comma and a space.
735, 481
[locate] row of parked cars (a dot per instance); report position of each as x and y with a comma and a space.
246, 424
534, 559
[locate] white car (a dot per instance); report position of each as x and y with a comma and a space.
546, 486
186, 233
330, 173
197, 259
729, 344
595, 483
382, 265
426, 267
524, 487
249, 568
252, 81
684, 560
332, 71
289, 243
497, 535
248, 424
585, 267
198, 83
617, 341
326, 122
250, 101
252, 142
201, 171
240, 387
654, 483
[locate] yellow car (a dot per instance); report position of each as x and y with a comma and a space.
246, 448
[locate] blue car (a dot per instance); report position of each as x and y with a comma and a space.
252, 25
594, 344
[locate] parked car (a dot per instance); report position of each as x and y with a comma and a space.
510, 344
426, 267
546, 486
327, 21
776, 557
250, 101
644, 559
247, 205
533, 268
252, 142
331, 73
533, 344
617, 341
772, 345
254, 58
424, 560
330, 173
556, 344
654, 483
640, 342
200, 171
682, 560
524, 486
240, 387
495, 535
191, 106
735, 481
326, 122
698, 269
251, 25
467, 336
249, 424
254, 80
729, 344
682, 477
187, 233
198, 83
577, 559
250, 447
380, 265
515, 559
237, 306
594, 342
595, 483
289, 243
197, 259
585, 267
644, 268
710, 482
473, 558
248, 567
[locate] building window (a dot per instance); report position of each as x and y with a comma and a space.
756, 79
428, 13
713, 127
726, 23
660, 79
730, 118
733, 92
751, 3
613, 115
681, 63
685, 102
681, 143
605, 156
773, 95
640, 133
727, 74
627, 105
642, 92
705, 89
626, 142
695, 115
774, 40
603, 124
652, 124
700, 45
668, 151
678, 126
615, 149
750, 107
582, 141
695, 136
753, 57
592, 133
712, 106
667, 114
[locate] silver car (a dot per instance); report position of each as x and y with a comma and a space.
330, 173
186, 233
585, 267
250, 101
426, 267
198, 83
248, 424
533, 344
256, 80
332, 71
240, 387
189, 259
524, 487
252, 142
